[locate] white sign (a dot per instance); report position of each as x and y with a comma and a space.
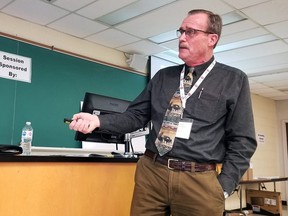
15, 67
260, 138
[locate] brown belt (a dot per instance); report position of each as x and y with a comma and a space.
175, 164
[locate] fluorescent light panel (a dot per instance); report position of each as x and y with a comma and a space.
132, 10
164, 37
245, 43
171, 56
232, 17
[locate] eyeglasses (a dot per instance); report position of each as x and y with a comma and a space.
190, 32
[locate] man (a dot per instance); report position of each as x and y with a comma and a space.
213, 123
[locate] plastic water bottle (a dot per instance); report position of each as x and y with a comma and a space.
26, 138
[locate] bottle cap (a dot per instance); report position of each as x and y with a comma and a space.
28, 123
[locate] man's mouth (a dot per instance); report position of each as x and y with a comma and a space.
182, 47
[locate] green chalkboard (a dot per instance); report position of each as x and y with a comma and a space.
59, 83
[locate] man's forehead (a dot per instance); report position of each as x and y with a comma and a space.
195, 20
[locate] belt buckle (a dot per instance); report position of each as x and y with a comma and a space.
168, 165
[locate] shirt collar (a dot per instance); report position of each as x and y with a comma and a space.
199, 69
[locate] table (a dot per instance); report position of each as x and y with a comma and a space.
259, 182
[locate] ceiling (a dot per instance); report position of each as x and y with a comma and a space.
254, 37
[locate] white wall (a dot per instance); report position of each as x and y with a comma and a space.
266, 158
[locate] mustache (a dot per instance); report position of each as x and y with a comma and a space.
182, 45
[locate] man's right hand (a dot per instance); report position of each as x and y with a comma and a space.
84, 122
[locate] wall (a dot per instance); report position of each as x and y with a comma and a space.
266, 158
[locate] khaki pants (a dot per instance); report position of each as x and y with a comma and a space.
159, 192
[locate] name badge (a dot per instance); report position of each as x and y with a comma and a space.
184, 128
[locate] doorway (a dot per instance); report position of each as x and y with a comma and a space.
285, 152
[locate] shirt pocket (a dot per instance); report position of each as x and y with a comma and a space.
209, 107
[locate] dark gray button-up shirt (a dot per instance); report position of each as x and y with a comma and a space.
223, 125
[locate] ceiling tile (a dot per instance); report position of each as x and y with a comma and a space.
260, 69
145, 47
165, 19
112, 38
77, 25
266, 91
102, 7
4, 3
244, 43
72, 5
255, 32
238, 27
173, 45
271, 77
269, 92
277, 11
172, 56
217, 6
35, 11
263, 64
258, 50
280, 97
280, 29
166, 36
256, 86
244, 3
280, 84
132, 10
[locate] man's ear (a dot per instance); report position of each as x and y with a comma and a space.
213, 39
